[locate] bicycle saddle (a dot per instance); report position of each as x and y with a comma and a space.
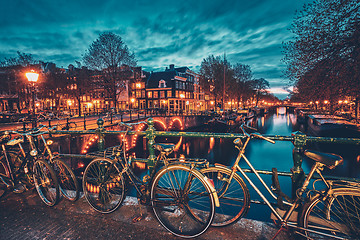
5, 137
164, 147
330, 160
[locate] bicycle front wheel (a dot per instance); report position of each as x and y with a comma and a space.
46, 182
69, 186
335, 216
182, 201
103, 185
233, 195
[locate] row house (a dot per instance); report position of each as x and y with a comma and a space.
174, 89
81, 89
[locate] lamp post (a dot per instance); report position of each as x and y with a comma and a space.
32, 78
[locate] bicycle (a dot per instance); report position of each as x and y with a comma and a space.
12, 175
69, 125
182, 199
68, 183
24, 163
111, 118
330, 213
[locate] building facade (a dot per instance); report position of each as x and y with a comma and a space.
171, 90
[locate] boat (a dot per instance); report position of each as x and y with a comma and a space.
302, 114
332, 126
217, 124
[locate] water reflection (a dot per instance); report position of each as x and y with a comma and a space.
262, 154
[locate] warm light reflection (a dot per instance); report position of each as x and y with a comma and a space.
211, 144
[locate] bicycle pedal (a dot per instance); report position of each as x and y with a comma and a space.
137, 219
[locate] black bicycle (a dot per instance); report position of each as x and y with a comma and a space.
182, 199
20, 165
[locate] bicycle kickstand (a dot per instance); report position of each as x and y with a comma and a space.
282, 228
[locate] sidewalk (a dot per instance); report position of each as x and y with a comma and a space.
24, 216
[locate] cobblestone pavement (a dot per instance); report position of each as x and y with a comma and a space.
24, 216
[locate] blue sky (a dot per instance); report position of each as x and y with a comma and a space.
160, 32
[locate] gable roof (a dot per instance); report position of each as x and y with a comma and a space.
155, 77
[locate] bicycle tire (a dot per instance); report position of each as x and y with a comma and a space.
234, 198
68, 183
3, 190
333, 216
4, 171
180, 196
72, 125
25, 174
103, 185
46, 182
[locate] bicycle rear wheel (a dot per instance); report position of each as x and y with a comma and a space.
69, 186
182, 201
3, 190
103, 185
46, 182
24, 175
233, 196
335, 216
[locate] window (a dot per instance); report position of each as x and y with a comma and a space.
169, 93
162, 84
162, 94
156, 94
149, 94
138, 94
143, 94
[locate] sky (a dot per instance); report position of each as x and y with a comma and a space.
159, 32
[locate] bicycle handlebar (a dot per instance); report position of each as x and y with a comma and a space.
257, 135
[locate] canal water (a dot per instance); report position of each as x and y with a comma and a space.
262, 154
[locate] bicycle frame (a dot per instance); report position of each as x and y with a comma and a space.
285, 218
25, 157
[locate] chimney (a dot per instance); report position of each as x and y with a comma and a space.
171, 66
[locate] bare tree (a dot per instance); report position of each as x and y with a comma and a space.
260, 85
22, 59
110, 55
216, 74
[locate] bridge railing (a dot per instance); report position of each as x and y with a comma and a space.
299, 140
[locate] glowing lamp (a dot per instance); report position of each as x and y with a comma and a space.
32, 76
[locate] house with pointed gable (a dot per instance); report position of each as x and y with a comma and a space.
174, 89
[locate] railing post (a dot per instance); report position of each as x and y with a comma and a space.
84, 122
298, 175
150, 135
100, 132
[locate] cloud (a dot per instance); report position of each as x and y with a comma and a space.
160, 32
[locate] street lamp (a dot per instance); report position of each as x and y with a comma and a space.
32, 78
132, 100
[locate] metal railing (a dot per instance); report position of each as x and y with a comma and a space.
299, 140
